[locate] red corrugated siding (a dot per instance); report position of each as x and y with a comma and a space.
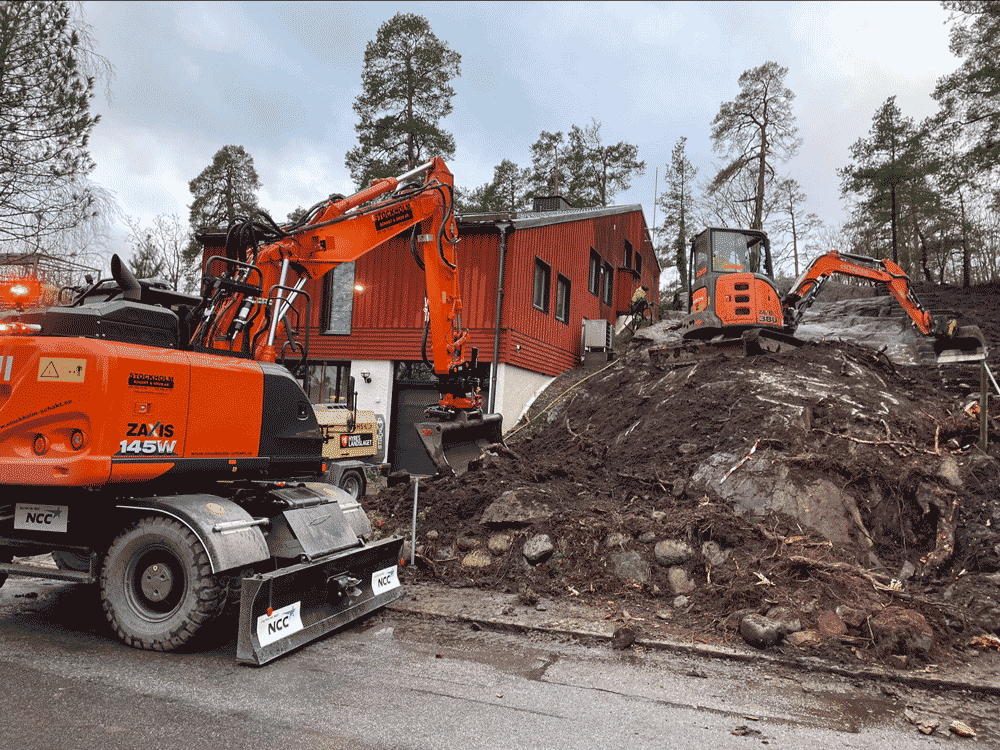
388, 316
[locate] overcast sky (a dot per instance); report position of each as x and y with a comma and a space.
279, 79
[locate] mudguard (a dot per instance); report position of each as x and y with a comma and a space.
289, 607
230, 535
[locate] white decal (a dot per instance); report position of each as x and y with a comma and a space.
385, 580
40, 517
6, 367
281, 623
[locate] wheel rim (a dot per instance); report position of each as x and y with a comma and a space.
351, 485
155, 584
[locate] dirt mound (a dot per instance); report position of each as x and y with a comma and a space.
825, 481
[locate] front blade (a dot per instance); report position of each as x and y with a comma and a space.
287, 608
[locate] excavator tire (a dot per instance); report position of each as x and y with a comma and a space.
157, 588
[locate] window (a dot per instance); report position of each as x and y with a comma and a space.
562, 298
638, 265
338, 299
543, 281
627, 259
327, 382
607, 285
594, 283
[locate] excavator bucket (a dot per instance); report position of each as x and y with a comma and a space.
451, 446
289, 607
964, 344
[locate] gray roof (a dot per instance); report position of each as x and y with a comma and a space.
525, 219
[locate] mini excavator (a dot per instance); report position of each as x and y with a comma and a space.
733, 301
155, 444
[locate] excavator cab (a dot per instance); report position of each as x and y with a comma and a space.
730, 287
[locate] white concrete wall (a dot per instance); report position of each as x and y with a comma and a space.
517, 389
376, 395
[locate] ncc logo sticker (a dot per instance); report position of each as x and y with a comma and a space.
280, 623
385, 580
29, 517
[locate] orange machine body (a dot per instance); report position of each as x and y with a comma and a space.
79, 412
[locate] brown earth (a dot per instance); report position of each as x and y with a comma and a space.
867, 497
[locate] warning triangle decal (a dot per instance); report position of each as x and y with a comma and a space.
50, 371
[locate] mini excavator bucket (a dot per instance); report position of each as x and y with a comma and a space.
963, 344
451, 446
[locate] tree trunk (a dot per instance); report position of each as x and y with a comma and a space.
966, 259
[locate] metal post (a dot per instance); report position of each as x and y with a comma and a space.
984, 400
413, 534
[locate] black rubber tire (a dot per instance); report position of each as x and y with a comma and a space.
353, 483
156, 585
71, 560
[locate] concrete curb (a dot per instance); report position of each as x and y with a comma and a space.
492, 611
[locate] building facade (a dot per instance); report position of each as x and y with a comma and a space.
532, 285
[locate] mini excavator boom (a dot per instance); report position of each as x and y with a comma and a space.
152, 442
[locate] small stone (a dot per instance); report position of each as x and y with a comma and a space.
500, 544
899, 661
478, 558
538, 549
788, 618
760, 631
680, 601
623, 637
670, 552
713, 554
906, 572
901, 631
805, 639
617, 539
466, 542
829, 625
851, 617
680, 581
657, 515
666, 614
444, 553
541, 607
647, 537
432, 536
685, 448
631, 566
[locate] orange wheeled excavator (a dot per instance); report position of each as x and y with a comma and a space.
733, 300
155, 445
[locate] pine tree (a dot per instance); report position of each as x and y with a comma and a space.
225, 190
406, 92
756, 131
45, 95
677, 203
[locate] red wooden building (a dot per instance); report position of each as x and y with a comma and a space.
530, 282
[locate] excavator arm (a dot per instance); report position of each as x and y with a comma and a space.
953, 343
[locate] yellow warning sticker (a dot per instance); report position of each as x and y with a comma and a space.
61, 370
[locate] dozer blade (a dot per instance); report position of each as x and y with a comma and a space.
287, 608
750, 343
452, 445
966, 344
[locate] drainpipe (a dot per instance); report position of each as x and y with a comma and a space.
505, 229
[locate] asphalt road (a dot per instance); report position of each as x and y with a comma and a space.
396, 681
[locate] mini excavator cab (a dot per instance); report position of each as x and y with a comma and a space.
730, 287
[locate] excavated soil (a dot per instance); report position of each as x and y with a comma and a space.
826, 480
